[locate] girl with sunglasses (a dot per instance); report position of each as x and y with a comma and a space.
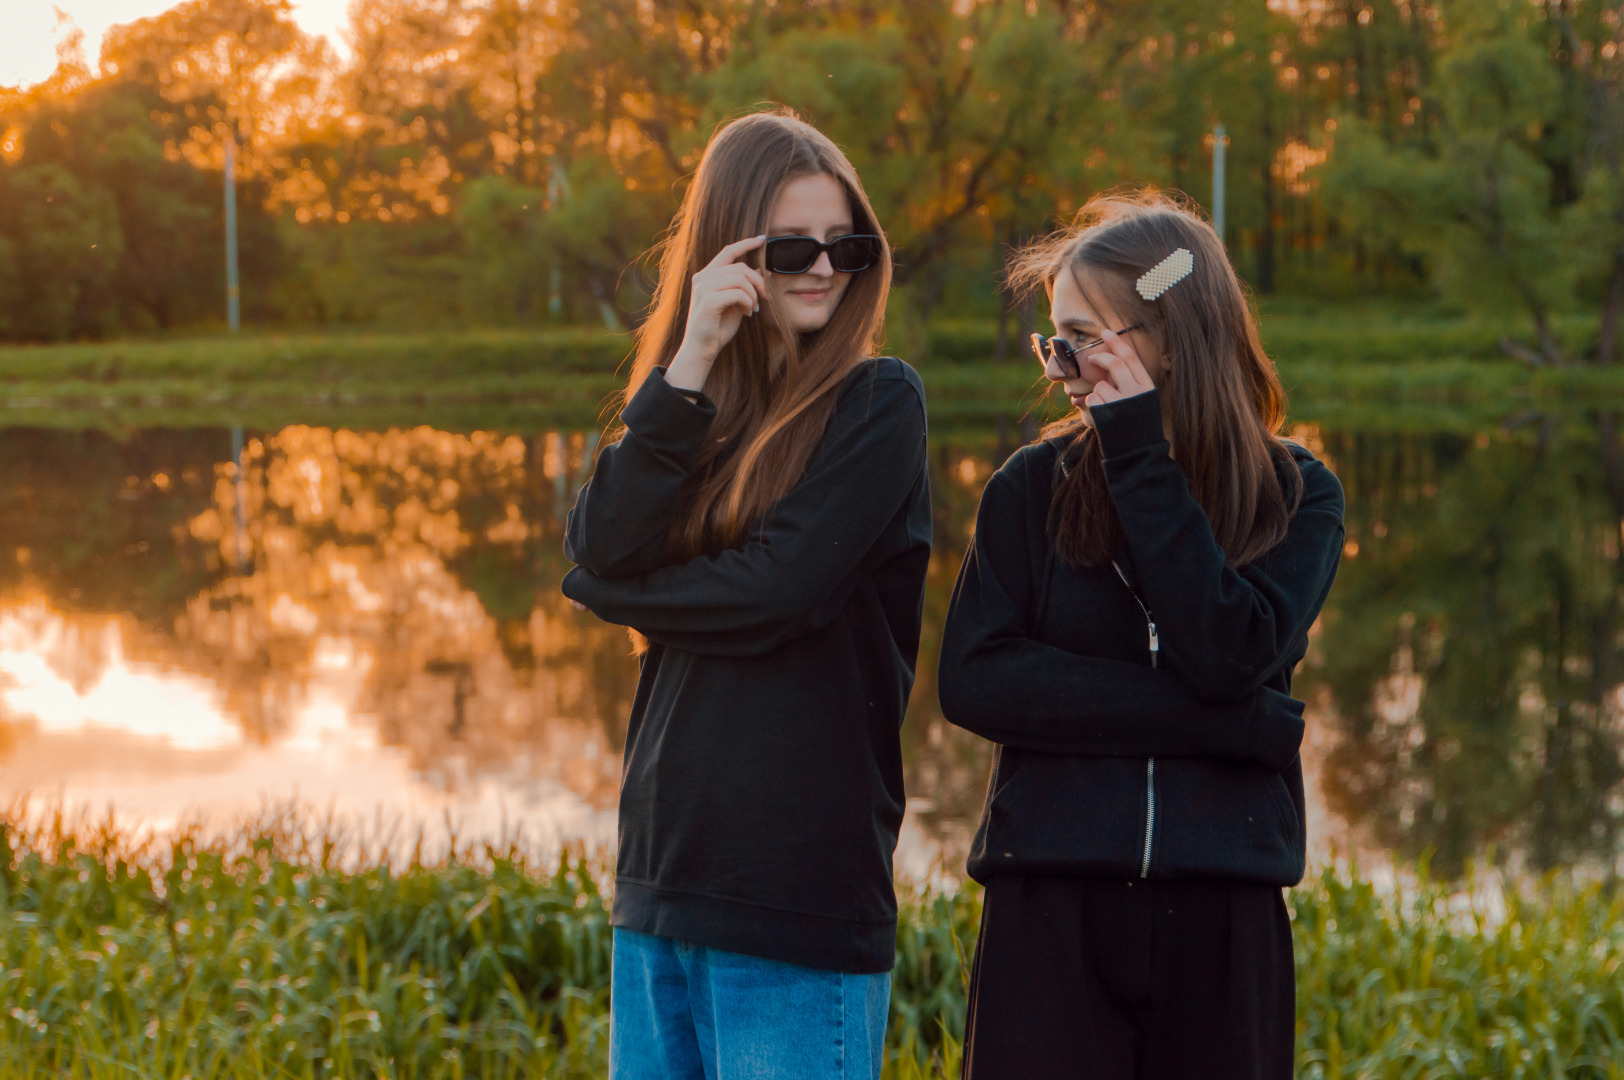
1125, 626
762, 523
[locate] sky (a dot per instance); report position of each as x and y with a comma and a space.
30, 29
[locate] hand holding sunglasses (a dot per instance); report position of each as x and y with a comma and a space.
720, 297
1124, 375
1064, 355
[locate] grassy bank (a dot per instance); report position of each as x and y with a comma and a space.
1375, 364
264, 954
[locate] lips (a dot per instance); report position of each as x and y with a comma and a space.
810, 296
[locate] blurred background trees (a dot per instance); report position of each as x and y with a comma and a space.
492, 162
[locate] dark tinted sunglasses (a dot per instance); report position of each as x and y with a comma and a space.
1065, 356
796, 254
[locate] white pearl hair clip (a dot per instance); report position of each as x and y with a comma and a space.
1165, 274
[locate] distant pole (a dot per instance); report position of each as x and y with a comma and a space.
234, 321
240, 545
557, 185
1219, 142
233, 299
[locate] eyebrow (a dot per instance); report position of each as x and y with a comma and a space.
1079, 324
791, 230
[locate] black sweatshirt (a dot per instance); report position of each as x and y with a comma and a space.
1107, 765
762, 788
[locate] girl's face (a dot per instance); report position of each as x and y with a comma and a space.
1079, 322
816, 206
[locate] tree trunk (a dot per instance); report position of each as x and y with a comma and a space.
1265, 236
1549, 347
1026, 319
1607, 345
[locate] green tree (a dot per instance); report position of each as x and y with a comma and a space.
1514, 194
64, 242
131, 234
971, 124
501, 221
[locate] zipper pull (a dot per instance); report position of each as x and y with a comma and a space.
1155, 644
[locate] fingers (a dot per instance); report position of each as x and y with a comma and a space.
735, 250
721, 295
1121, 364
748, 289
1103, 394
1118, 344
742, 297
750, 274
713, 280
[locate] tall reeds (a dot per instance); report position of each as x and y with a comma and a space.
287, 949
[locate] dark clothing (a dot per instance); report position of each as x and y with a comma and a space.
1107, 766
1101, 979
762, 788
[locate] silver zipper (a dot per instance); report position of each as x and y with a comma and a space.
1150, 814
1150, 763
1150, 623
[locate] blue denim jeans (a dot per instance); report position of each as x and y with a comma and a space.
680, 1011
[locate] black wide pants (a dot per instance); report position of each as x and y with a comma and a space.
1096, 979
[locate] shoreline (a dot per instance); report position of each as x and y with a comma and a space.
530, 380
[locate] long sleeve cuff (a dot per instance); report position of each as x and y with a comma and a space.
663, 417
1129, 424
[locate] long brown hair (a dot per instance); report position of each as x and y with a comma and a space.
1224, 401
768, 419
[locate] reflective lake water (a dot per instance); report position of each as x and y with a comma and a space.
368, 622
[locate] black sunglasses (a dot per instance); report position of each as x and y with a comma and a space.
796, 254
1065, 355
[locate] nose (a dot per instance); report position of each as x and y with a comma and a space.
1051, 367
823, 267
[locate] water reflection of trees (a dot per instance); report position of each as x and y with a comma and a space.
947, 767
1469, 659
424, 562
1471, 648
90, 520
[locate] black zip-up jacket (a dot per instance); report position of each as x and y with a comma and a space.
762, 788
1142, 710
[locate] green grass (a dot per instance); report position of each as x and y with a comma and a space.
284, 950
1382, 365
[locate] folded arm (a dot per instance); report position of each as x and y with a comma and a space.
1000, 683
621, 523
1226, 631
800, 566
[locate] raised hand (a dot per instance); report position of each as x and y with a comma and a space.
1125, 375
723, 295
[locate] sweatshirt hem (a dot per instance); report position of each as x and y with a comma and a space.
829, 943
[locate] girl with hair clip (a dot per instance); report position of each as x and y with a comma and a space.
1125, 626
762, 522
